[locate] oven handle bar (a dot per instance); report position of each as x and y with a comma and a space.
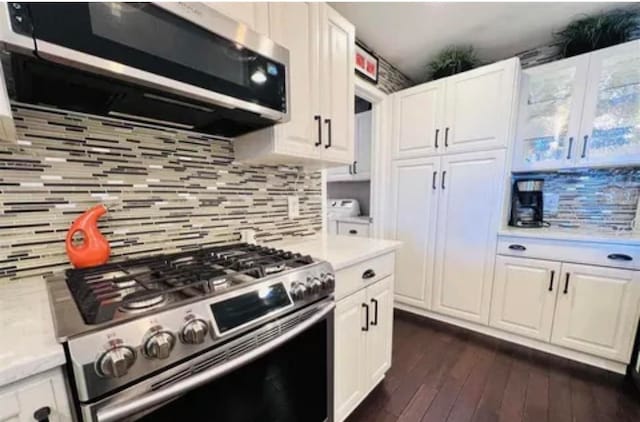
118, 411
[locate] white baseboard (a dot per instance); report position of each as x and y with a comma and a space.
596, 361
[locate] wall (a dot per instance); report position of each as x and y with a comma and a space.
592, 199
167, 190
347, 190
390, 79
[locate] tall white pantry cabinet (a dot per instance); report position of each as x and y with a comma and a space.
449, 147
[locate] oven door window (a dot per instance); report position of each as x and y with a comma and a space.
287, 385
147, 37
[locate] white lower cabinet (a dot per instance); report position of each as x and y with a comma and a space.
350, 348
379, 334
363, 339
20, 400
585, 308
347, 228
597, 310
524, 296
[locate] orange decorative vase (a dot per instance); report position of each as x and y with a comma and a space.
94, 249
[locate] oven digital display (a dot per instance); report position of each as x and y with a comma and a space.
244, 308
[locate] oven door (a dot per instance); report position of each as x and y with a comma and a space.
186, 49
288, 378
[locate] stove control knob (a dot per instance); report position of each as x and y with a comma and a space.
298, 290
115, 362
330, 281
314, 283
158, 343
194, 331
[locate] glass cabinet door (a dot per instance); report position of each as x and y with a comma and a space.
610, 133
551, 98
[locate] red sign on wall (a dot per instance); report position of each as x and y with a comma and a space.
366, 64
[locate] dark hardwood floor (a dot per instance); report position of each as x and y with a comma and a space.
443, 373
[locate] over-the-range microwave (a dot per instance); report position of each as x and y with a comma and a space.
181, 64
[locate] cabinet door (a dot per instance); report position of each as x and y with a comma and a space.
414, 192
524, 296
610, 133
417, 115
379, 336
551, 100
349, 355
19, 401
597, 310
337, 86
362, 163
478, 107
468, 219
296, 27
254, 15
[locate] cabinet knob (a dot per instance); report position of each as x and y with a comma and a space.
353, 231
42, 414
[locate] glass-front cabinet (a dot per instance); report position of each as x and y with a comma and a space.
582, 111
611, 116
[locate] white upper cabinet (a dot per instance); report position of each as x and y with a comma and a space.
321, 48
360, 169
337, 81
580, 112
364, 128
478, 107
296, 27
467, 112
254, 15
417, 113
551, 98
597, 310
611, 118
524, 296
414, 193
468, 219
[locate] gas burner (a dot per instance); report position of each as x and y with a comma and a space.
107, 292
143, 300
220, 283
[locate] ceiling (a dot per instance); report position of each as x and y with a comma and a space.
409, 34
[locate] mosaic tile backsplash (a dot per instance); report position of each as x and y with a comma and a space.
591, 199
167, 190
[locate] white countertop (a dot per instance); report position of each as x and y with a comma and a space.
554, 233
340, 251
28, 342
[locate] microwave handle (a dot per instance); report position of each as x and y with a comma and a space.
118, 411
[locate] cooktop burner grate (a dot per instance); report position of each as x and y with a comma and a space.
143, 284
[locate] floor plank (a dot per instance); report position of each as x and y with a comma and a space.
443, 373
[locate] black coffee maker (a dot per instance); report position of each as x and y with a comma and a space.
526, 203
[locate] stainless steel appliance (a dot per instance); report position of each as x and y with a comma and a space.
527, 208
181, 64
238, 332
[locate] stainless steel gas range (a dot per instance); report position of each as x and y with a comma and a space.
231, 333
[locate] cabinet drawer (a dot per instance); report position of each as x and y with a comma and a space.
353, 229
359, 276
604, 254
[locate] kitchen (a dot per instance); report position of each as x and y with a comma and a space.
165, 238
